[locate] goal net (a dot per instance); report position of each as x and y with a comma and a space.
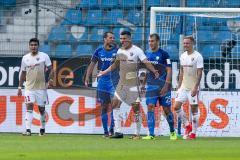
217, 35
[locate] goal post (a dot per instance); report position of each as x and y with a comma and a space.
217, 35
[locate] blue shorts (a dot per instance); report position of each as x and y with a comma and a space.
105, 91
153, 96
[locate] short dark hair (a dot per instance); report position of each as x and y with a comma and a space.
126, 33
34, 40
105, 34
155, 35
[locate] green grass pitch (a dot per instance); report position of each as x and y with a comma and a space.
94, 147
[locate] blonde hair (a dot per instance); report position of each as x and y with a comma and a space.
191, 38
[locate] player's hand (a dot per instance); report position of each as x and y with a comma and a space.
194, 91
164, 90
101, 73
19, 92
86, 82
143, 89
156, 74
50, 83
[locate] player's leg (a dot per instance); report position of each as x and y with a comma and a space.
103, 98
29, 100
119, 95
182, 96
194, 110
151, 101
42, 100
137, 119
117, 116
166, 103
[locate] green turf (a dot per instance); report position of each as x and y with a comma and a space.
86, 147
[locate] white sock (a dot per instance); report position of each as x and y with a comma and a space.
117, 120
138, 122
43, 120
182, 116
195, 123
28, 119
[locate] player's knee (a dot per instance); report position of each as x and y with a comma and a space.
151, 107
167, 110
104, 108
41, 110
136, 107
29, 106
177, 106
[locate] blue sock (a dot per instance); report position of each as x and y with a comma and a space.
179, 126
105, 120
112, 122
151, 122
170, 120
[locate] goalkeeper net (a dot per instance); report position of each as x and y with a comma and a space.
217, 35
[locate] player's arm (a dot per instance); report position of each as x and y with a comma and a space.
110, 68
150, 67
89, 72
168, 81
180, 77
144, 83
21, 80
196, 87
50, 74
199, 75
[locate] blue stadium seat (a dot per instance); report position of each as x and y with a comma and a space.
113, 17
63, 50
73, 16
45, 48
130, 3
109, 3
210, 50
97, 33
118, 30
153, 3
94, 17
84, 49
57, 33
78, 33
173, 51
8, 3
137, 34
88, 4
194, 3
135, 17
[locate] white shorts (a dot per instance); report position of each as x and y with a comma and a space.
185, 95
39, 97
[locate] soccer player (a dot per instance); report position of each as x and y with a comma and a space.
33, 69
159, 90
191, 67
127, 60
104, 56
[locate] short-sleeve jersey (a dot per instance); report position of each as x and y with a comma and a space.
160, 60
35, 67
190, 64
129, 61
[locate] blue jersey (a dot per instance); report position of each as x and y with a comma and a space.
160, 60
105, 58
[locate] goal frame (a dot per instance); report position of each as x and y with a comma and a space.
185, 9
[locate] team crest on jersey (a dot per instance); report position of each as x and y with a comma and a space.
37, 58
157, 58
192, 59
131, 53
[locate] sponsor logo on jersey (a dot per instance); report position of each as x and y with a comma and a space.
104, 59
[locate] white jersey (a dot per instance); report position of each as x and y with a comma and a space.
35, 67
190, 64
129, 63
